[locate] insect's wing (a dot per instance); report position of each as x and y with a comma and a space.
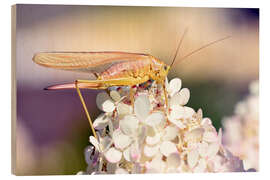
85, 61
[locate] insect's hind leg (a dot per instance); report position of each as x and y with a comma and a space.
85, 109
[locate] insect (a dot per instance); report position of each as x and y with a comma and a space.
110, 69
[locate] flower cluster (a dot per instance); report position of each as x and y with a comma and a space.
151, 138
241, 130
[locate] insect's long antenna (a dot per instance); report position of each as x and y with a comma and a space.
179, 46
204, 46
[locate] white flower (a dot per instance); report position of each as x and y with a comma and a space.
154, 138
241, 129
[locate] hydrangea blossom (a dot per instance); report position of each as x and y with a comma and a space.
241, 129
152, 138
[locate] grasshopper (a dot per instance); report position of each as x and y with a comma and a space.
110, 69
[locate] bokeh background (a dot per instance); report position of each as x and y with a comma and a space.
52, 130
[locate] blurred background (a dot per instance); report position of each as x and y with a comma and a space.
52, 130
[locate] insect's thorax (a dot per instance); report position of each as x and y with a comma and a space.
138, 68
158, 72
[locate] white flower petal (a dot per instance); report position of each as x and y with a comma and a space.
167, 147
129, 125
152, 140
101, 122
192, 158
105, 142
115, 95
188, 112
95, 143
213, 149
104, 102
194, 135
178, 123
155, 119
120, 140
174, 86
170, 133
180, 98
135, 152
157, 165
150, 151
210, 136
121, 171
173, 160
206, 122
123, 109
177, 112
126, 154
201, 167
142, 106
113, 155
203, 149
185, 95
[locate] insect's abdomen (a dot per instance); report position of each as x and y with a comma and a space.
127, 69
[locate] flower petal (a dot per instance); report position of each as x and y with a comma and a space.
129, 125
104, 102
150, 151
173, 160
142, 106
174, 86
178, 123
170, 133
210, 136
203, 149
135, 152
113, 155
201, 167
115, 95
101, 122
177, 112
123, 109
126, 154
152, 140
120, 140
188, 112
180, 98
156, 119
213, 149
157, 165
194, 135
167, 147
105, 142
192, 158
121, 171
95, 142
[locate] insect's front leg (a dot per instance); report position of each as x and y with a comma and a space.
131, 95
165, 94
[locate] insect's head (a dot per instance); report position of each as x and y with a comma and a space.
164, 70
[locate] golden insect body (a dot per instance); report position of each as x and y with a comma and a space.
110, 69
121, 69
